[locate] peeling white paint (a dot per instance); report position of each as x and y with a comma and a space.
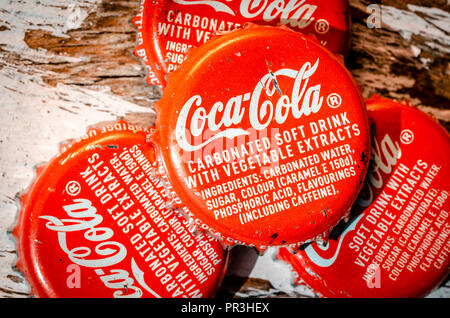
415, 50
53, 16
429, 23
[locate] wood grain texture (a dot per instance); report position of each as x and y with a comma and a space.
398, 61
67, 65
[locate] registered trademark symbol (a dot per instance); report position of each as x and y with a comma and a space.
322, 26
406, 136
73, 188
334, 100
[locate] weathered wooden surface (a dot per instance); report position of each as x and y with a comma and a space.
66, 65
408, 57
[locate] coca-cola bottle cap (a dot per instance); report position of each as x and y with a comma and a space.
94, 223
263, 136
167, 29
397, 243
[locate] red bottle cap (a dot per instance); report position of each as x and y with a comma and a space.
94, 224
398, 243
167, 29
264, 137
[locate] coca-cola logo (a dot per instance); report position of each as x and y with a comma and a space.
84, 217
296, 13
226, 118
106, 253
384, 157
